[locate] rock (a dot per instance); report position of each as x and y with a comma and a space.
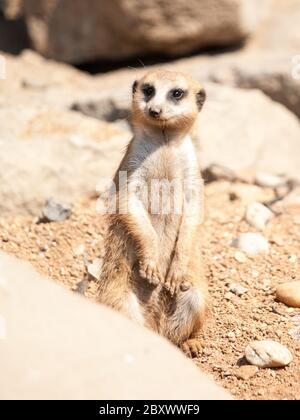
293, 198
46, 152
237, 289
245, 136
55, 212
258, 215
270, 72
293, 259
231, 337
103, 30
251, 243
217, 173
240, 257
246, 372
269, 181
79, 250
295, 333
95, 268
46, 324
280, 31
248, 193
106, 109
289, 294
269, 62
268, 354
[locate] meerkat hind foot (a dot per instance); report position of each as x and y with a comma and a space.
176, 284
192, 348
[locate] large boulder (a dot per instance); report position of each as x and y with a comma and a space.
243, 129
55, 345
84, 30
276, 74
280, 31
51, 153
240, 129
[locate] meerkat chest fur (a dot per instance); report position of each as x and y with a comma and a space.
161, 169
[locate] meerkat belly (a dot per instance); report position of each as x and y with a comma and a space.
165, 198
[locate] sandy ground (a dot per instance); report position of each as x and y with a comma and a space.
62, 251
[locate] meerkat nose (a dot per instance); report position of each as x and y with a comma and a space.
155, 113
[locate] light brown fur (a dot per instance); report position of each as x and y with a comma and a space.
153, 271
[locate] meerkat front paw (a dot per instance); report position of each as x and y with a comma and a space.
149, 270
176, 281
192, 348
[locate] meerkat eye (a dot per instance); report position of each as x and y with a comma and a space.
148, 90
177, 94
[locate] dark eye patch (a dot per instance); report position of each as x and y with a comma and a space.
177, 94
148, 91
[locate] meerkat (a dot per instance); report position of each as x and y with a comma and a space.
152, 269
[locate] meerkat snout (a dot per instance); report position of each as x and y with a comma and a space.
155, 113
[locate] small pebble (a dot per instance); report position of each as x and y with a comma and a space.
95, 268
251, 243
240, 257
293, 259
55, 212
237, 289
246, 372
268, 354
228, 296
255, 274
295, 333
231, 336
269, 181
79, 250
258, 215
289, 294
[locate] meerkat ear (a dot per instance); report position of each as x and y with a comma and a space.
201, 98
134, 87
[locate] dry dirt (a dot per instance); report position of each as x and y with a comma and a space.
62, 250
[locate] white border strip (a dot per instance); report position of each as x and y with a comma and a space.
2, 67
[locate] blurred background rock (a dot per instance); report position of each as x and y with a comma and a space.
76, 30
226, 44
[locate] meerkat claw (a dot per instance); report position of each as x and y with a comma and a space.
192, 348
150, 273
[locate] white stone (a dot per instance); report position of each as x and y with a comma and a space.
268, 354
269, 181
258, 215
295, 333
238, 289
94, 269
251, 243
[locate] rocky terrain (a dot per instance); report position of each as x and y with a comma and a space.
243, 287
63, 131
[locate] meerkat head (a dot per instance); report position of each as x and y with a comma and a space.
167, 99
